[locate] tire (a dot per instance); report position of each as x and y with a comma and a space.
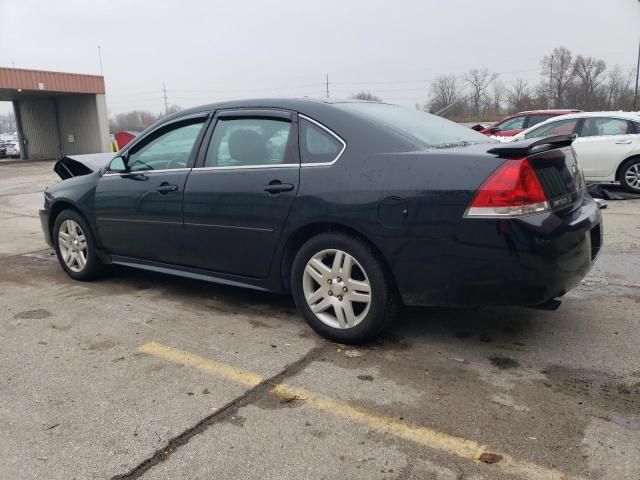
78, 263
344, 313
629, 177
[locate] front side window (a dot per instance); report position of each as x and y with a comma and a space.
242, 142
595, 127
511, 124
317, 145
167, 150
560, 127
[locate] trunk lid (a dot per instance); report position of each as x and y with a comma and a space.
555, 164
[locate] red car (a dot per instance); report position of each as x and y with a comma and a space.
514, 124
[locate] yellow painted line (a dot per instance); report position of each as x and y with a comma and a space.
418, 434
205, 365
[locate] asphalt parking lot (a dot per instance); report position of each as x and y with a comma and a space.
141, 375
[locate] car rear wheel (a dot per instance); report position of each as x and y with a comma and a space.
630, 175
342, 288
75, 246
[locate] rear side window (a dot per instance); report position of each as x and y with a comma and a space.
536, 119
561, 127
243, 142
596, 127
317, 144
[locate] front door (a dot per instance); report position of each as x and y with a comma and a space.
138, 201
238, 197
602, 144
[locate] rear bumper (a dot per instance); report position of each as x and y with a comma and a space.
524, 262
44, 223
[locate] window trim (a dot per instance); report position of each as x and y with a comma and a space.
332, 133
238, 113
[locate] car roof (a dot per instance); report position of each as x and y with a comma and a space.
613, 114
297, 104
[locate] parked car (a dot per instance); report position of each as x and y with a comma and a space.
607, 144
12, 150
516, 123
350, 206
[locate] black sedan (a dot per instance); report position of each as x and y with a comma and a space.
353, 207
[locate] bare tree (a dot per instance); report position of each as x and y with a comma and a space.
617, 88
558, 69
519, 96
8, 123
497, 97
590, 73
478, 82
366, 96
135, 120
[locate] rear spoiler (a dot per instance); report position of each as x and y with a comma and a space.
78, 165
523, 148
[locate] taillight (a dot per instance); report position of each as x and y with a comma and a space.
512, 190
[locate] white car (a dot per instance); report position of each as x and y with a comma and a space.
607, 147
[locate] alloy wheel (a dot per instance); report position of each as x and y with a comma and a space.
336, 288
632, 176
73, 245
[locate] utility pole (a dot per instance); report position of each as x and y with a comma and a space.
635, 95
166, 105
100, 58
550, 80
327, 85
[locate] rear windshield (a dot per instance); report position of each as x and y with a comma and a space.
428, 129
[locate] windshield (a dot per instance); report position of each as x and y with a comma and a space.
431, 130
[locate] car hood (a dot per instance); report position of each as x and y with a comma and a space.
78, 165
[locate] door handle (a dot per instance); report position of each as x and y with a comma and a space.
276, 186
165, 188
624, 142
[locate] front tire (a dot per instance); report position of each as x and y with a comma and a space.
342, 289
75, 246
630, 175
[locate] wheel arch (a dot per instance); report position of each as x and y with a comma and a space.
65, 204
622, 163
298, 238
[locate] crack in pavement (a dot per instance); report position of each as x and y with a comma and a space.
251, 396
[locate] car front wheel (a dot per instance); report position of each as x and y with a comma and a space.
342, 288
75, 246
630, 175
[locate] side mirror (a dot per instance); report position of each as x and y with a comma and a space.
494, 129
118, 164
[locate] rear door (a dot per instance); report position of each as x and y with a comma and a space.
138, 201
602, 143
238, 197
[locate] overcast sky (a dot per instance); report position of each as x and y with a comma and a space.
212, 50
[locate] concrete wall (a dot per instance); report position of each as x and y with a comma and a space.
51, 127
39, 128
80, 124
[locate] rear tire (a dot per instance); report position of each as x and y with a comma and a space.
629, 177
342, 289
75, 246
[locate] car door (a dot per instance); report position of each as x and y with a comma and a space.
602, 143
138, 201
238, 197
